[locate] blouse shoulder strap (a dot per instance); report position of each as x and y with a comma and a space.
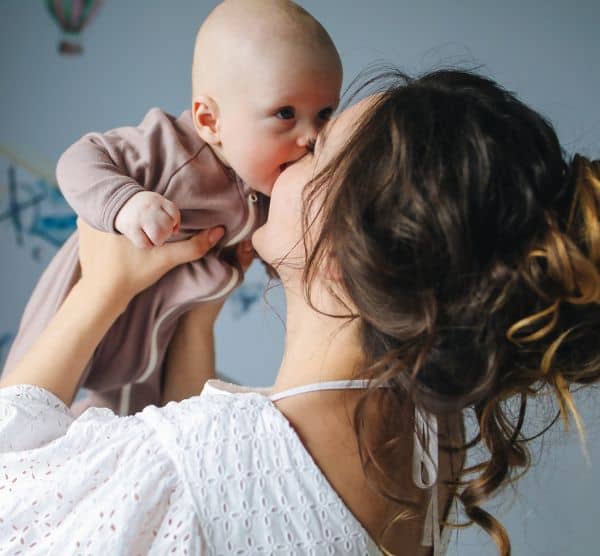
317, 386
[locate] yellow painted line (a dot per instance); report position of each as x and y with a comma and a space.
33, 168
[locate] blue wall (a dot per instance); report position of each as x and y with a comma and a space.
138, 54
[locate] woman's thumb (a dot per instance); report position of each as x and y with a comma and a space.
245, 254
215, 235
195, 247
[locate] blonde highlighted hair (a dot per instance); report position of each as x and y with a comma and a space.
469, 245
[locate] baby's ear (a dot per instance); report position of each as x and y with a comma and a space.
205, 114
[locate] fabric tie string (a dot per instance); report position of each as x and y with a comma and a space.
425, 469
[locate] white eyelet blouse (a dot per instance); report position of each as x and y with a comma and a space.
220, 473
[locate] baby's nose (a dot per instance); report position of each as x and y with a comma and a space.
308, 136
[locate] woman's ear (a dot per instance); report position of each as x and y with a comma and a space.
205, 114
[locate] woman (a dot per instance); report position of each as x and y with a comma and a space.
438, 256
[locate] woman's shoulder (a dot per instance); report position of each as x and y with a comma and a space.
223, 416
110, 475
215, 387
220, 402
253, 481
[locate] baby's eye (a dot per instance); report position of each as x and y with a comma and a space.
325, 114
286, 113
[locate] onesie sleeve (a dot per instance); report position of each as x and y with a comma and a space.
98, 484
100, 172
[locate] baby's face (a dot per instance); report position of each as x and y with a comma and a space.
274, 117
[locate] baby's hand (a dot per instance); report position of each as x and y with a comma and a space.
148, 219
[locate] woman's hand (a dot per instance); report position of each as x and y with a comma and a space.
113, 271
205, 315
111, 265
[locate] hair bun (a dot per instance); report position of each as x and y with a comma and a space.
583, 221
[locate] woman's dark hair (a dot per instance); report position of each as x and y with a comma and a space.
469, 246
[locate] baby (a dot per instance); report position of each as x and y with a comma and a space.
265, 77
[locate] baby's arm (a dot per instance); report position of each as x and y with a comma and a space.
103, 173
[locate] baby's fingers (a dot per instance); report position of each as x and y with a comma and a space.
173, 212
138, 237
159, 228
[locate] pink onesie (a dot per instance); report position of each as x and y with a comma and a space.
97, 175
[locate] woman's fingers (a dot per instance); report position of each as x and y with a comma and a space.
245, 254
179, 252
114, 262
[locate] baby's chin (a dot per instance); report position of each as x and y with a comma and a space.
264, 189
266, 186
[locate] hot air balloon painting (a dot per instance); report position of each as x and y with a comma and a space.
72, 16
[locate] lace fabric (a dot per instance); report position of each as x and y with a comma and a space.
425, 453
219, 473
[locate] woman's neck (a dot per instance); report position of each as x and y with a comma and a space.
318, 348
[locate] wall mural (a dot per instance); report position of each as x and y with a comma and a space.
32, 208
5, 341
35, 220
72, 16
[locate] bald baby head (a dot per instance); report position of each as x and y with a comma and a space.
266, 76
241, 36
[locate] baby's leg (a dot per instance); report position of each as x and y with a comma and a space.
125, 400
49, 293
190, 359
